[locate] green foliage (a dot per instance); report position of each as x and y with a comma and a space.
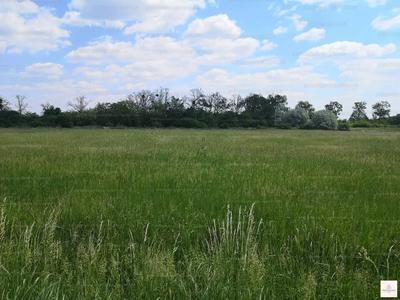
191, 123
296, 117
324, 119
9, 118
381, 110
361, 123
359, 111
284, 126
307, 106
334, 107
344, 126
156, 124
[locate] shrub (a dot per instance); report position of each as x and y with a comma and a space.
284, 126
36, 124
344, 126
191, 123
250, 123
156, 124
325, 120
295, 117
362, 123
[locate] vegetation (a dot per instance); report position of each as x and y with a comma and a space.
162, 110
324, 119
195, 214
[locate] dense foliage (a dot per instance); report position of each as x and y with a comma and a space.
160, 109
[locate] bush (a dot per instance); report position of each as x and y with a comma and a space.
223, 126
191, 123
362, 123
250, 123
295, 117
156, 124
285, 126
344, 126
325, 120
36, 124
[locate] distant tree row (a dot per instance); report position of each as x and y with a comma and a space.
161, 109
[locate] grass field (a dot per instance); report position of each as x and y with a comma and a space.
198, 214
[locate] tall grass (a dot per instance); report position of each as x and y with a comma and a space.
186, 214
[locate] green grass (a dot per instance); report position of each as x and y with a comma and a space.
198, 214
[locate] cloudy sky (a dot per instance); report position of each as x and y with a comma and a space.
311, 50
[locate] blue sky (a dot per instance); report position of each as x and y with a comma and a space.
311, 50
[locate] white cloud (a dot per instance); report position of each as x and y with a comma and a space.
219, 26
150, 16
382, 24
374, 3
259, 62
313, 35
268, 45
218, 38
344, 51
37, 31
280, 12
280, 30
46, 68
296, 23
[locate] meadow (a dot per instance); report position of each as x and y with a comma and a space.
198, 214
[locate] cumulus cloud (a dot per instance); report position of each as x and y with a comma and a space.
148, 16
313, 35
45, 68
342, 51
218, 26
39, 30
280, 30
374, 3
268, 45
299, 25
383, 23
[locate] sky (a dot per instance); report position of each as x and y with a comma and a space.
53, 51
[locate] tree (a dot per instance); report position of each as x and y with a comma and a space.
197, 96
258, 107
280, 107
4, 104
380, 110
359, 111
334, 107
296, 117
236, 104
21, 105
215, 103
324, 119
307, 106
50, 110
80, 104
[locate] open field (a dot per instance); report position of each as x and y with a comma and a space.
198, 214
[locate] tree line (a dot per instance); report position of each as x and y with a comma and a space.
161, 109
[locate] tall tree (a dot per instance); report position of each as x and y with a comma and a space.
80, 104
359, 111
215, 103
236, 103
307, 106
381, 110
334, 107
50, 110
21, 105
197, 97
4, 104
258, 106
